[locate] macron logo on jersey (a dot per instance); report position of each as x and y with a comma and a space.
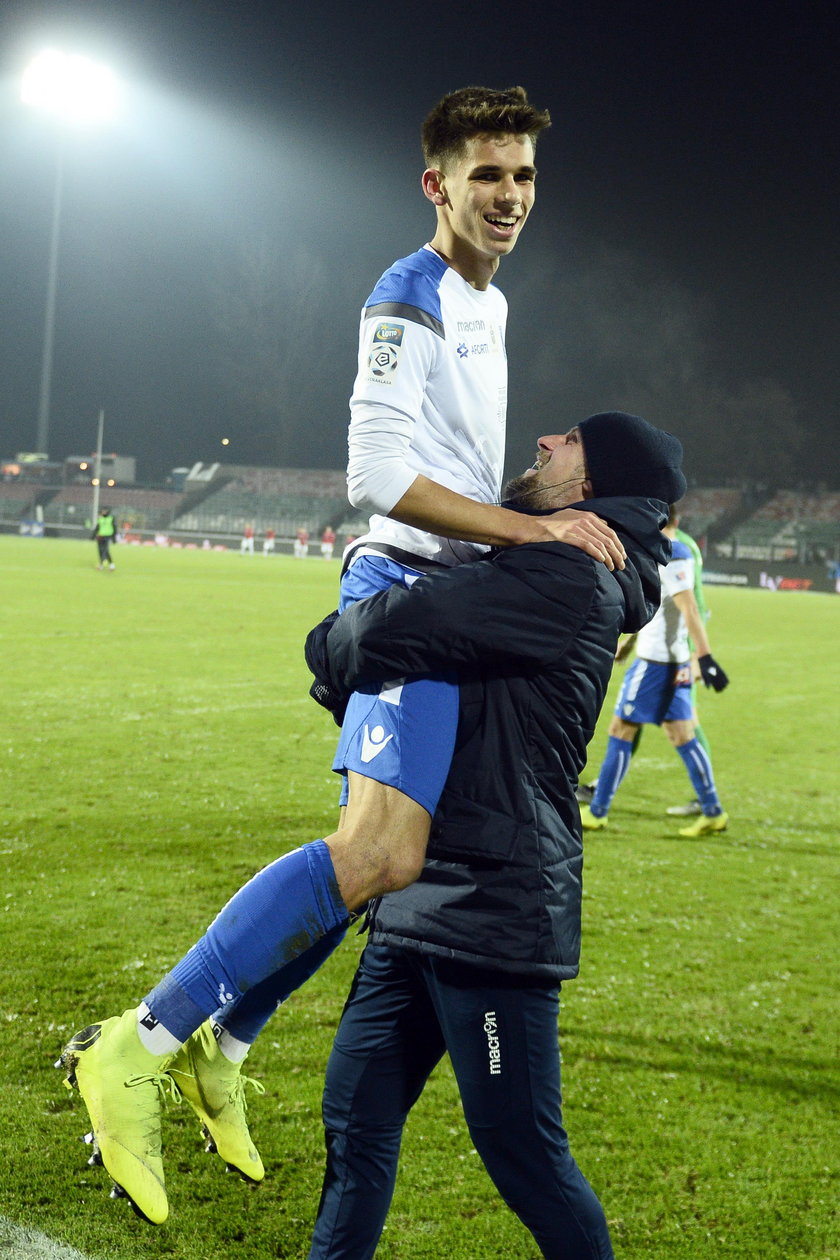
373, 742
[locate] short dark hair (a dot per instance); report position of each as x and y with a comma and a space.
476, 111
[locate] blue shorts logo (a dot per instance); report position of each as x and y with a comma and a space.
373, 741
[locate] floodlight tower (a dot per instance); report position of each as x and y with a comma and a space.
77, 91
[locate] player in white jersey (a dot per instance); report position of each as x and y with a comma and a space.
657, 691
429, 398
426, 450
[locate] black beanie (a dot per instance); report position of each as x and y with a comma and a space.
626, 455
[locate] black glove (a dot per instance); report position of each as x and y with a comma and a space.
324, 688
713, 675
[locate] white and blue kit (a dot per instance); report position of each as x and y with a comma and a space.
657, 686
430, 398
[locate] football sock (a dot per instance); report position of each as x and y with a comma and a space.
245, 1018
157, 1039
231, 1047
700, 736
615, 765
699, 767
272, 920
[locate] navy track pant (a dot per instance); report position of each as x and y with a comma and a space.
405, 1010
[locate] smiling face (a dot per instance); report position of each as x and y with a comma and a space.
482, 199
557, 476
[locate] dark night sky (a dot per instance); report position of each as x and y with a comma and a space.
220, 236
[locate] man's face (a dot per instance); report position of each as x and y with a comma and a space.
557, 475
489, 193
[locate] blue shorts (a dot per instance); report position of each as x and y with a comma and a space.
402, 732
653, 692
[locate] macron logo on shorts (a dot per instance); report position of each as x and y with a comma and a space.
373, 742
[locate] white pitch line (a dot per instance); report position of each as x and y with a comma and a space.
31, 1244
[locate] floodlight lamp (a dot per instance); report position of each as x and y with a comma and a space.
75, 88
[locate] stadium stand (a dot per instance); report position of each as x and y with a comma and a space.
136, 509
790, 525
18, 500
788, 505
704, 507
217, 501
285, 499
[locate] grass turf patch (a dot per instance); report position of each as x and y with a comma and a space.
159, 747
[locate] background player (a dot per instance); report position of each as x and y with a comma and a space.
585, 791
657, 691
104, 534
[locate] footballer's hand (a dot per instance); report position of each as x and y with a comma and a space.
713, 674
584, 530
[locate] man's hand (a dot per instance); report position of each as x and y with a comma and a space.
579, 529
324, 689
713, 675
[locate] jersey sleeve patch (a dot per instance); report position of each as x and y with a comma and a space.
384, 354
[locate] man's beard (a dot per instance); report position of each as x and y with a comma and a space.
530, 492
525, 491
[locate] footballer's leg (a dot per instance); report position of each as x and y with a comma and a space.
381, 844
698, 764
209, 1067
615, 765
301, 899
396, 747
120, 1065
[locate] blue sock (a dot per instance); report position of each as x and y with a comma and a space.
272, 920
615, 765
246, 1017
699, 768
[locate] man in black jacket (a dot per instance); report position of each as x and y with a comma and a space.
469, 958
531, 613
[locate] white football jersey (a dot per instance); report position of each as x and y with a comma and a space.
665, 637
430, 397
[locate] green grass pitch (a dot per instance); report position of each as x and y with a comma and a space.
158, 746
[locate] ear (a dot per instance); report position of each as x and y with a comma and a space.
432, 182
586, 487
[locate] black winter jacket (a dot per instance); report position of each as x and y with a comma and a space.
532, 632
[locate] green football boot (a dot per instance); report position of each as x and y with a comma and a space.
590, 821
215, 1089
706, 825
123, 1085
